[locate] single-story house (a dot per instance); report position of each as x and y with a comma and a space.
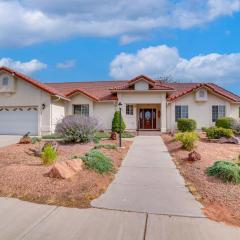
27, 105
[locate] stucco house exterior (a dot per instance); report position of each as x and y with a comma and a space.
29, 105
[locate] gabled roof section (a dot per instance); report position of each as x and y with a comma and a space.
35, 83
84, 92
183, 89
155, 84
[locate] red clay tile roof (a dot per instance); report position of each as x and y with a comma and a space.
40, 85
103, 90
186, 88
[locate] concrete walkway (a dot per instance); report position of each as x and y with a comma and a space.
6, 140
149, 182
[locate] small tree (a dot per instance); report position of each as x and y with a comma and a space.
116, 123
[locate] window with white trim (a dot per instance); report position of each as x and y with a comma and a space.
82, 109
181, 111
218, 111
5, 81
129, 109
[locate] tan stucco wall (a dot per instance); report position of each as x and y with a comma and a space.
104, 112
200, 111
79, 99
57, 111
28, 95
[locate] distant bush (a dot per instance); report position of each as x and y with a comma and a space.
216, 132
52, 136
116, 123
236, 127
49, 155
225, 122
106, 146
36, 139
187, 139
77, 128
226, 171
186, 125
98, 162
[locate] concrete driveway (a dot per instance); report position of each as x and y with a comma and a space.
6, 140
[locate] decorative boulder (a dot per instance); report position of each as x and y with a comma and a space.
66, 169
233, 140
113, 136
25, 139
194, 156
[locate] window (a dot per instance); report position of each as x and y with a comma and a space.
202, 93
181, 112
129, 109
5, 81
218, 112
82, 109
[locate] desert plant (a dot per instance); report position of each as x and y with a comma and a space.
186, 125
226, 171
49, 155
36, 139
98, 162
187, 139
106, 146
116, 123
225, 122
216, 132
77, 128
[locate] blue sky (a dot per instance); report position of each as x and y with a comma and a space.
56, 42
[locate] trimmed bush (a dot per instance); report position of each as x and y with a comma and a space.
116, 123
225, 122
187, 139
98, 162
106, 146
226, 171
77, 128
49, 155
186, 125
216, 133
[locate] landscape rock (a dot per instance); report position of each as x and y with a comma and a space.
61, 170
25, 140
194, 156
113, 136
66, 169
75, 164
234, 140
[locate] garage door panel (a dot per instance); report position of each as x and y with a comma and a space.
18, 121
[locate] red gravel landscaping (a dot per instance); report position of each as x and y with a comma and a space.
221, 200
22, 175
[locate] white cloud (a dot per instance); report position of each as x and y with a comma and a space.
126, 39
166, 61
24, 67
25, 22
67, 64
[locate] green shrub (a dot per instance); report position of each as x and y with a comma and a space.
106, 146
49, 155
127, 135
101, 135
36, 139
204, 129
52, 136
116, 123
226, 171
98, 162
216, 133
187, 139
225, 122
186, 125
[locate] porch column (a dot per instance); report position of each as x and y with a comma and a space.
163, 115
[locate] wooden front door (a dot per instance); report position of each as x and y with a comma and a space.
147, 118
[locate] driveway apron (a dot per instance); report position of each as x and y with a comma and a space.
149, 182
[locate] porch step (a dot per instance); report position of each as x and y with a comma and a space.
148, 133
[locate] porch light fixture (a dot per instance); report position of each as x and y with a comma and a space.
43, 106
120, 122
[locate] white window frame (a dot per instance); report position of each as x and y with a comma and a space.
5, 81
221, 112
83, 109
184, 112
129, 110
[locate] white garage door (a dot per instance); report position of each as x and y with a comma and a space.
18, 120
